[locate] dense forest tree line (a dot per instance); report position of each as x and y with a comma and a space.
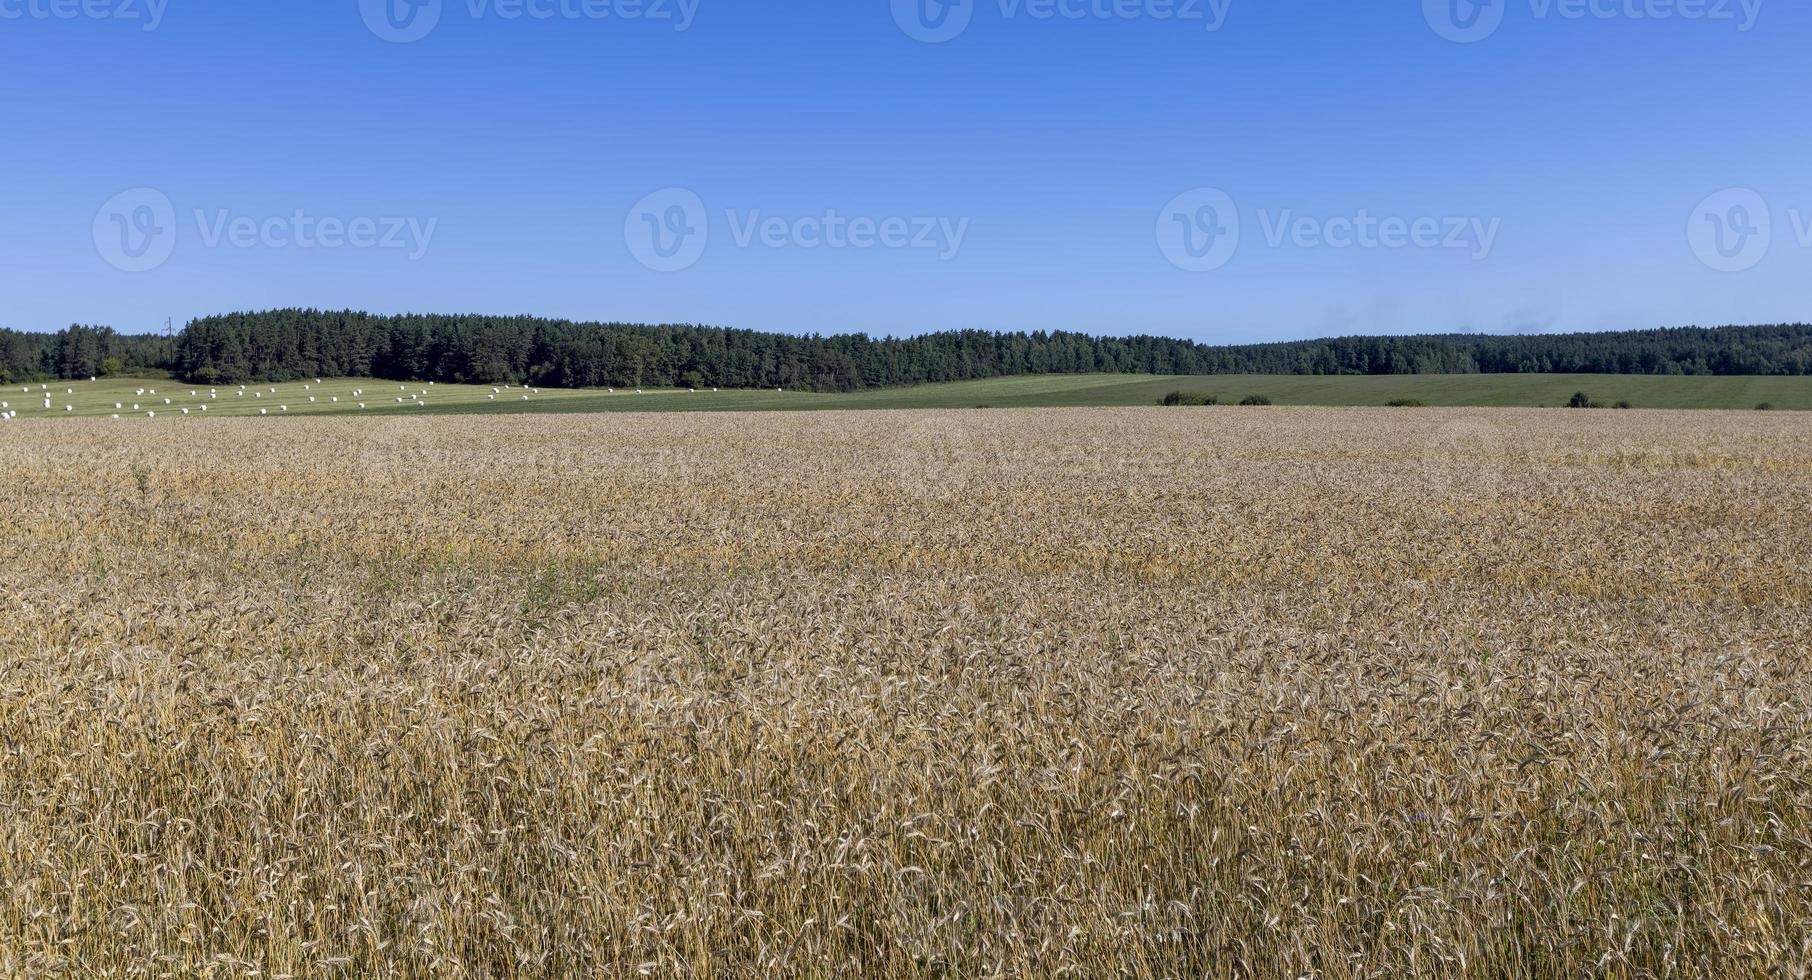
80, 352
283, 345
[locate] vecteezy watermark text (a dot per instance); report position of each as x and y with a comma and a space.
833, 230
1470, 21
937, 21
669, 230
1200, 231
149, 13
404, 21
1475, 236
303, 230
138, 230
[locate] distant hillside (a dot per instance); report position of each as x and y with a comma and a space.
283, 345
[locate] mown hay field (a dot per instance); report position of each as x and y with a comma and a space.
174, 403
1092, 693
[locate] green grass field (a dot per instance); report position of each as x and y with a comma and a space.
345, 396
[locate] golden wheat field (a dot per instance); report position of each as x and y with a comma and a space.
1268, 693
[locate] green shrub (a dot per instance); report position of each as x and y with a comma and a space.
1625, 404
1406, 403
1581, 400
1188, 398
1765, 407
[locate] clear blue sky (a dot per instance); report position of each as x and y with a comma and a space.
1055, 144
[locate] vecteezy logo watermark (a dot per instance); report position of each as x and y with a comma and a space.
401, 21
1464, 21
933, 21
1199, 231
137, 231
668, 231
149, 13
937, 21
1732, 230
1470, 21
404, 21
